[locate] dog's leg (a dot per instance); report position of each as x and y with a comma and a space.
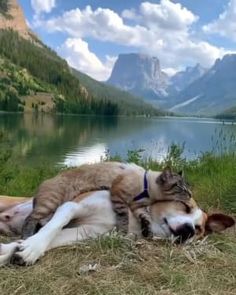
7, 202
70, 236
34, 247
6, 251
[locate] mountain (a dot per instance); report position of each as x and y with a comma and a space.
127, 100
141, 75
212, 93
182, 79
35, 78
12, 17
25, 65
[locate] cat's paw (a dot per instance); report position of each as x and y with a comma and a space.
146, 228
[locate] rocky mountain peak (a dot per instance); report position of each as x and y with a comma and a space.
213, 92
184, 78
140, 74
12, 17
228, 60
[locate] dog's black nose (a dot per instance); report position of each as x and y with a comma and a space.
184, 232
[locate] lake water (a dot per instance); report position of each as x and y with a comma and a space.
73, 140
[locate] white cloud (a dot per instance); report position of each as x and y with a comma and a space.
27, 23
225, 25
78, 56
129, 13
166, 15
102, 24
40, 6
171, 71
162, 30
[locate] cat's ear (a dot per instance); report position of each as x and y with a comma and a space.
165, 176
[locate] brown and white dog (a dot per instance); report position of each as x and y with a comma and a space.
92, 215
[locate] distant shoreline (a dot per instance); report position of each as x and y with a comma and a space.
213, 118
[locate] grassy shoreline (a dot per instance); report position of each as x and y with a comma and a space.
212, 177
125, 266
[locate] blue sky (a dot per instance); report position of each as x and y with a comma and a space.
91, 34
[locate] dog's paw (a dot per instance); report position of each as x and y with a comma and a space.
29, 251
6, 252
17, 259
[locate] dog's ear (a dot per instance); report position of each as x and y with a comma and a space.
165, 176
218, 222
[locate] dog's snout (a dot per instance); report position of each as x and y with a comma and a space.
184, 232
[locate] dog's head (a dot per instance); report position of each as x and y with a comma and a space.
184, 220
12, 219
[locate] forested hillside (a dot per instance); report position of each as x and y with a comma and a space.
3, 7
228, 114
126, 100
16, 83
52, 75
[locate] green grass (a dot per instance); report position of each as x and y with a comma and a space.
134, 267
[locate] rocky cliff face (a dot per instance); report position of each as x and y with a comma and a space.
184, 78
212, 93
141, 75
12, 17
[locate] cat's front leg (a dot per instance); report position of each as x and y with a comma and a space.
144, 218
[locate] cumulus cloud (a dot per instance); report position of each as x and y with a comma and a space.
163, 30
102, 24
77, 54
129, 14
225, 25
40, 6
166, 15
171, 71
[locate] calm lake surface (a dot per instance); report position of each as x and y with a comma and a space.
73, 140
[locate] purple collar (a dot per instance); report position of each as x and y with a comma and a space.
144, 194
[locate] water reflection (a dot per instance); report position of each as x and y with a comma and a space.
73, 140
91, 154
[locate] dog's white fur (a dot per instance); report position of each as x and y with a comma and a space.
95, 213
95, 217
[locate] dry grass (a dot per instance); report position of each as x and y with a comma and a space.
128, 267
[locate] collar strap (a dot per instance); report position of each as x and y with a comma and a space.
144, 194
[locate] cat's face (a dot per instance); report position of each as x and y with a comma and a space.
173, 185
